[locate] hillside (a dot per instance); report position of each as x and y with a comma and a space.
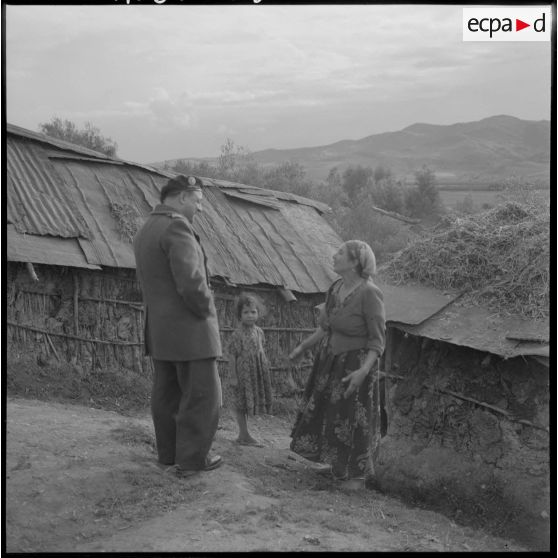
460, 154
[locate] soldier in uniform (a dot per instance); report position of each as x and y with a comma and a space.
181, 329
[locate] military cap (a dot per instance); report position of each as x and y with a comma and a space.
181, 183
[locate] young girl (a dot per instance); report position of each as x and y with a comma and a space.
249, 368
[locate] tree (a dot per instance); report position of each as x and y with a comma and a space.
331, 191
355, 180
381, 173
89, 136
424, 199
389, 195
289, 176
197, 168
334, 179
237, 164
233, 159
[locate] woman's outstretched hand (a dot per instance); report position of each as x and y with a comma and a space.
354, 381
296, 353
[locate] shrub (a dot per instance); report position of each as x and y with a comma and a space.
33, 376
90, 136
384, 234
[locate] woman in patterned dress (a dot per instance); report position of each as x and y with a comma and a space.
336, 424
250, 375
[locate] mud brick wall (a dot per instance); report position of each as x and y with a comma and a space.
486, 464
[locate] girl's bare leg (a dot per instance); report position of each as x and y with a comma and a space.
243, 434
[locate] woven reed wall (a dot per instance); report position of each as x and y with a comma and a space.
94, 320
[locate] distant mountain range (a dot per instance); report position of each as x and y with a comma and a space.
462, 154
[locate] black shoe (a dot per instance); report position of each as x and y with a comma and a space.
322, 469
210, 464
371, 483
164, 465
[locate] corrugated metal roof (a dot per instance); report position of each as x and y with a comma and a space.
42, 249
258, 200
252, 236
38, 202
110, 202
66, 149
267, 245
483, 330
49, 141
255, 191
413, 304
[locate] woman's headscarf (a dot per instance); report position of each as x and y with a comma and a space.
361, 252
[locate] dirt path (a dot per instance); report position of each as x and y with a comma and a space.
80, 479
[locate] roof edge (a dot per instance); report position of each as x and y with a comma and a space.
68, 146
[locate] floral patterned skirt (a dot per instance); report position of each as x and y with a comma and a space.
334, 430
253, 392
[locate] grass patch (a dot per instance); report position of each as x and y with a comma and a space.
116, 390
124, 499
341, 524
133, 435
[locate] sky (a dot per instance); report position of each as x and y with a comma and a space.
176, 81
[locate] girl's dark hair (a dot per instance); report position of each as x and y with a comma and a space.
246, 299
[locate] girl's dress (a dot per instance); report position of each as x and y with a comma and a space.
253, 394
329, 428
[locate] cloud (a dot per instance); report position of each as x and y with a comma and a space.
160, 109
225, 131
168, 113
226, 97
151, 75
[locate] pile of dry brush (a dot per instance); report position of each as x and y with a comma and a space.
500, 257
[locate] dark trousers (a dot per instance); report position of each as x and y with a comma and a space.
185, 403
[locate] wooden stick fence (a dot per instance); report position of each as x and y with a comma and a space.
47, 335
70, 336
76, 303
137, 305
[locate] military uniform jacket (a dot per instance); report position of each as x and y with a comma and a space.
180, 317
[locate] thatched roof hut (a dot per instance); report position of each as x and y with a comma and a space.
467, 388
72, 213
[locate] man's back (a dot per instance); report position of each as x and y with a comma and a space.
181, 321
